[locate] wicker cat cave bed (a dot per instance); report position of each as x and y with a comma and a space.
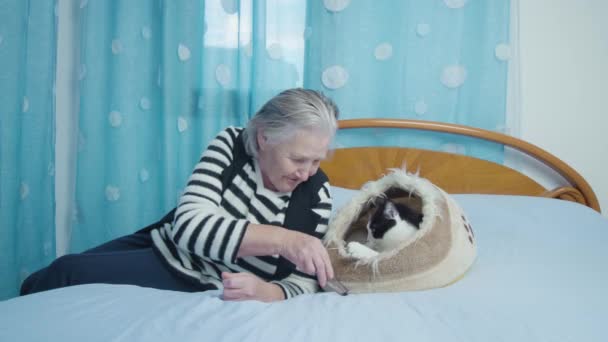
438, 254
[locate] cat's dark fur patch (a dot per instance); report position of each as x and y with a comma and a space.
380, 224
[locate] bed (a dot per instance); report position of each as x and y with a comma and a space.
540, 272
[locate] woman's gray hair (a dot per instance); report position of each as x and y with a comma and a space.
289, 111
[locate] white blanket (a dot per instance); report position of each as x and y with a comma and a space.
540, 275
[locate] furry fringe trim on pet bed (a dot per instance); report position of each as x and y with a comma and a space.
438, 254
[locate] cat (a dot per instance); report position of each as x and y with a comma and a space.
389, 225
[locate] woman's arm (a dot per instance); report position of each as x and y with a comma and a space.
305, 251
199, 227
299, 282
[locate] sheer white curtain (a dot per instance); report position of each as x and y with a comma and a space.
67, 96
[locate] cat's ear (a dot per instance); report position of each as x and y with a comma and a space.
390, 210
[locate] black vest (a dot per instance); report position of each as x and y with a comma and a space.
299, 215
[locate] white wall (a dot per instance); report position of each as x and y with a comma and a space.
564, 74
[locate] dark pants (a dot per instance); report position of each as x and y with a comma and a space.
127, 260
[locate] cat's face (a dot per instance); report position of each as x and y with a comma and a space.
383, 219
392, 222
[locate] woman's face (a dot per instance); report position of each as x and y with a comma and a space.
286, 164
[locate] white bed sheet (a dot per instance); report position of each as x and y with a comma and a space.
540, 276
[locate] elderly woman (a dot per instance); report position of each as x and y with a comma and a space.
249, 221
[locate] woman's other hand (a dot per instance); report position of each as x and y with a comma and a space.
305, 251
308, 254
246, 286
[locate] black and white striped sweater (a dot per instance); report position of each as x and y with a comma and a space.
210, 221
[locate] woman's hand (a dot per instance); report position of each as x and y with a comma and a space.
305, 251
246, 286
308, 254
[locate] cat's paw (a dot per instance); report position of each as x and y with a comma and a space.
360, 251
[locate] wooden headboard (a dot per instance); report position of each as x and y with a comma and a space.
454, 173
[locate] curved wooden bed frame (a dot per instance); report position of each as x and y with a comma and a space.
453, 173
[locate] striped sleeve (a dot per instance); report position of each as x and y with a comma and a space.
323, 210
296, 284
198, 226
300, 283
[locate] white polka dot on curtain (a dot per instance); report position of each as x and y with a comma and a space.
144, 175
383, 51
112, 193
116, 46
183, 52
420, 108
502, 52
275, 51
146, 32
144, 103
182, 124
335, 77
230, 6
24, 190
336, 5
453, 76
423, 29
223, 75
25, 105
115, 118
455, 3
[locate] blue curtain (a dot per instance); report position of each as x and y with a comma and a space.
27, 193
430, 60
159, 78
